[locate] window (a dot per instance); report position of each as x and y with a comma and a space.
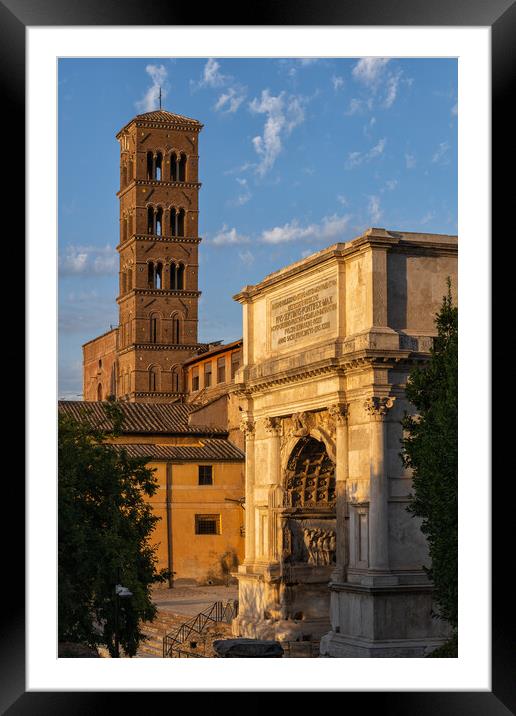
182, 168
175, 330
159, 163
173, 167
235, 363
207, 374
205, 475
154, 329
153, 379
221, 369
195, 378
207, 524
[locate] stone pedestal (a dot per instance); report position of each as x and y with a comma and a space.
387, 621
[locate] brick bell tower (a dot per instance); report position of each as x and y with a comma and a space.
158, 296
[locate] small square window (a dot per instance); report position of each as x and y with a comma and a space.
205, 475
207, 524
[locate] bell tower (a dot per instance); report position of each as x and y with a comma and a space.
158, 249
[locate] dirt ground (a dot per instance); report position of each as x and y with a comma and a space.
191, 600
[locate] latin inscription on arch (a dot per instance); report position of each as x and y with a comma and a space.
303, 314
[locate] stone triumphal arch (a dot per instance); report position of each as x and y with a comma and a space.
331, 552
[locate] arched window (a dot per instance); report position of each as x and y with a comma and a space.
181, 222
180, 282
158, 274
154, 328
159, 220
182, 168
150, 275
173, 222
150, 166
153, 378
173, 167
173, 276
112, 382
99, 391
176, 380
159, 165
175, 330
150, 220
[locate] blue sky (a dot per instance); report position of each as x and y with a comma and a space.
294, 156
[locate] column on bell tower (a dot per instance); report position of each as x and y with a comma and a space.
158, 249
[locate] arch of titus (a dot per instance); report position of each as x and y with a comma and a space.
331, 552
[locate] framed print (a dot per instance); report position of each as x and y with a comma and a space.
35, 40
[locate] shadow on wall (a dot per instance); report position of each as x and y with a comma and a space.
397, 291
228, 563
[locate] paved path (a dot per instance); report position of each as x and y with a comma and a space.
191, 600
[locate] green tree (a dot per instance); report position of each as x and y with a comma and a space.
104, 524
429, 448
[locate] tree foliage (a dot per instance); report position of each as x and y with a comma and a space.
104, 524
429, 448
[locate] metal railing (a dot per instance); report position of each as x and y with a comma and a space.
217, 612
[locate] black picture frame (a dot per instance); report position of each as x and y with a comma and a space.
500, 16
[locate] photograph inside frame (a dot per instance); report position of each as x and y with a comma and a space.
258, 320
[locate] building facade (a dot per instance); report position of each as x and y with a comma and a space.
331, 552
200, 536
158, 255
210, 381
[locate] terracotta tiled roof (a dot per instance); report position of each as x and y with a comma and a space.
215, 449
161, 115
147, 418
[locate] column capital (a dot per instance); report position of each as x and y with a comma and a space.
247, 426
378, 407
339, 412
272, 425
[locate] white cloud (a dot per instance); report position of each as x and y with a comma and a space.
356, 158
368, 70
283, 115
381, 82
374, 209
359, 105
331, 227
230, 100
306, 253
87, 260
246, 257
440, 155
227, 236
427, 217
392, 89
410, 160
211, 76
337, 82
232, 96
391, 184
244, 197
455, 109
150, 100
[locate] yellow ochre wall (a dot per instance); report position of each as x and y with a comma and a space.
200, 558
